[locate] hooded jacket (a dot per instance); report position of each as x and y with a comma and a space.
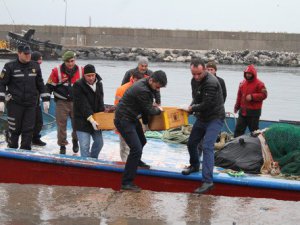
256, 89
87, 102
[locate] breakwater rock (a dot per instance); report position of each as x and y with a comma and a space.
263, 58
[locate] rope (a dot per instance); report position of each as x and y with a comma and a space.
153, 134
177, 135
226, 124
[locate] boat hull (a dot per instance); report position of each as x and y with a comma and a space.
30, 168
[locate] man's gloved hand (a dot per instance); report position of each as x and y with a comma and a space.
1, 108
46, 106
145, 127
93, 122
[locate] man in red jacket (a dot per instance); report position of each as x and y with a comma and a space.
60, 83
249, 101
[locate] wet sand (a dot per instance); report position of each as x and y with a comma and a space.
51, 205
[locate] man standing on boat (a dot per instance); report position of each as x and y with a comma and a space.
137, 101
208, 107
60, 82
36, 139
211, 67
251, 94
21, 81
88, 99
142, 68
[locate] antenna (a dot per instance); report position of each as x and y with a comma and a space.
9, 12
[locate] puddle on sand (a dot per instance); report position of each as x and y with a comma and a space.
51, 205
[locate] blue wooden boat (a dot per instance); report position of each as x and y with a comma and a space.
41, 166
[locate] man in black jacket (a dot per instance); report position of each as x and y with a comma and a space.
211, 67
137, 101
87, 100
21, 80
208, 107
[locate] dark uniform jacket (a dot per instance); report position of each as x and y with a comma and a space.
24, 82
208, 101
128, 74
86, 102
137, 100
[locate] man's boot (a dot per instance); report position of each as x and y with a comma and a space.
62, 150
75, 146
38, 142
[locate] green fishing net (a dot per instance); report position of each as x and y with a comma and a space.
284, 143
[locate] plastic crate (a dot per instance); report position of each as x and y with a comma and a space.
171, 117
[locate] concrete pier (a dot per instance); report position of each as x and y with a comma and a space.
159, 38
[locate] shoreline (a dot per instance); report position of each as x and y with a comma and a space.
245, 57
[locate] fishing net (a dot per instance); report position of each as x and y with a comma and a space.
284, 143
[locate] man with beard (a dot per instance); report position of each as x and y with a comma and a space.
249, 102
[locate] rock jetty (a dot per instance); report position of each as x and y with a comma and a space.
262, 57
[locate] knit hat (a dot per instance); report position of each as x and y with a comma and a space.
88, 69
68, 55
24, 48
211, 65
143, 60
35, 56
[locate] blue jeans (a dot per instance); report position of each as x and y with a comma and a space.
133, 134
208, 132
84, 139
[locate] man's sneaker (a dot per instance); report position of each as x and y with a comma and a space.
130, 187
143, 165
189, 170
204, 188
38, 142
75, 146
62, 150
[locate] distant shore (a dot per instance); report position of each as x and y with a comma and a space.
262, 58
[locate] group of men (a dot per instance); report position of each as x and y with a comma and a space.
78, 94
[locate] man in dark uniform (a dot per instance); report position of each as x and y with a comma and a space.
36, 139
208, 107
137, 101
22, 81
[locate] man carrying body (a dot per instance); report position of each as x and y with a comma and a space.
208, 107
249, 102
137, 100
21, 80
60, 82
88, 99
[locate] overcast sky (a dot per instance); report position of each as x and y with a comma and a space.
213, 15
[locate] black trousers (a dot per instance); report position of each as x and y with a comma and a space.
252, 122
133, 134
38, 123
21, 120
